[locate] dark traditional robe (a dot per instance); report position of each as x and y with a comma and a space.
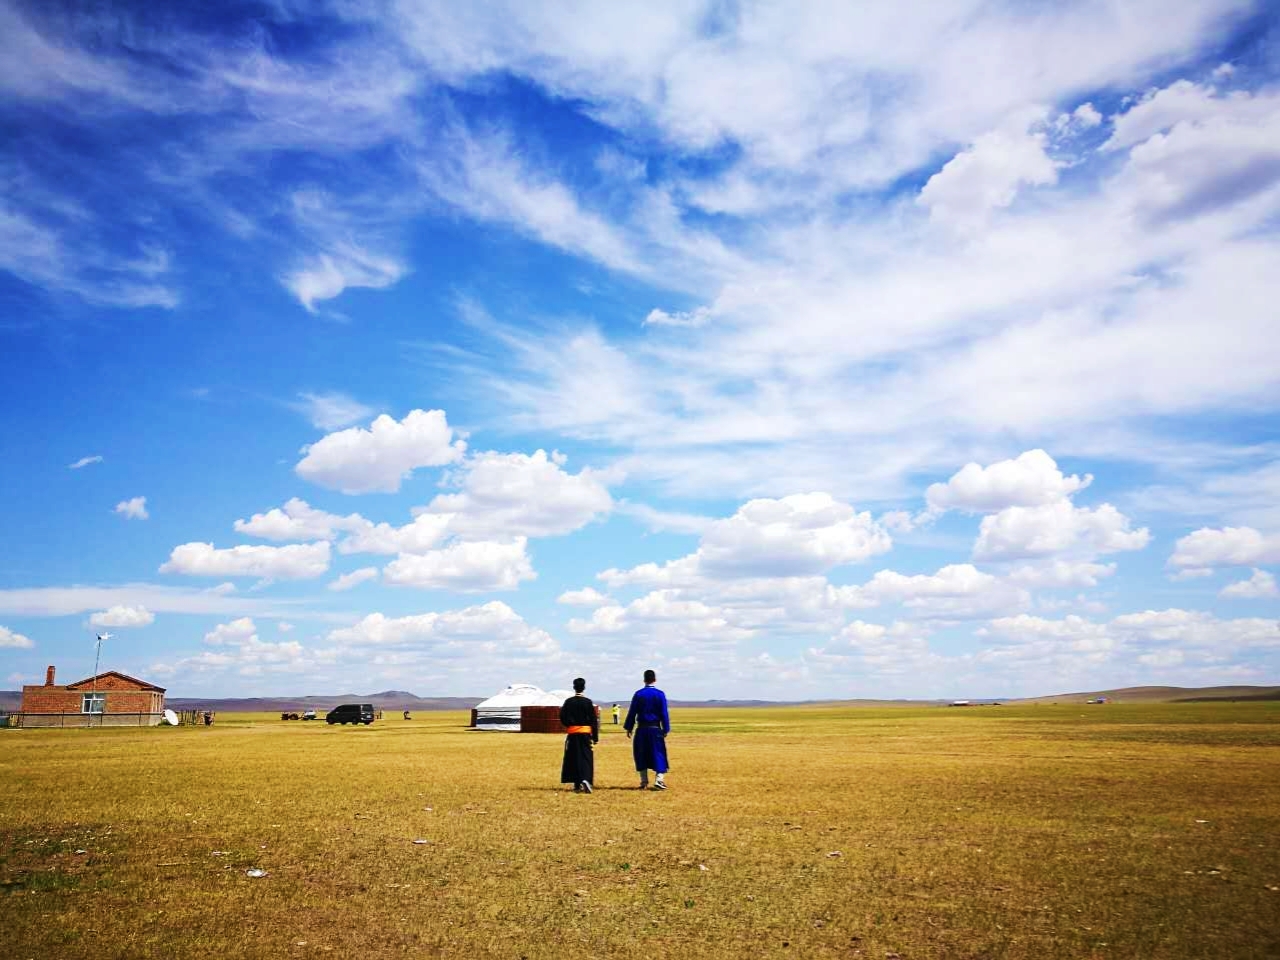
579, 762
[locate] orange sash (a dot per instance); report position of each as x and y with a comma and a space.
579, 728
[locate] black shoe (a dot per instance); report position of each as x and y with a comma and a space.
586, 787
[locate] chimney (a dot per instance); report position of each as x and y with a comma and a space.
48, 676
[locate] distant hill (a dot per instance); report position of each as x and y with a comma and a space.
11, 700
1164, 695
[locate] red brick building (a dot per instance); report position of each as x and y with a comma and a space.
110, 699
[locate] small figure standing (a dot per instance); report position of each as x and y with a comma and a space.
616, 713
651, 723
208, 718
582, 723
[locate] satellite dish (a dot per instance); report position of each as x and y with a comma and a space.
171, 718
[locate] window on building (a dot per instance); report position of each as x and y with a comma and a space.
93, 703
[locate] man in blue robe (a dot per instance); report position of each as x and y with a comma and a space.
649, 721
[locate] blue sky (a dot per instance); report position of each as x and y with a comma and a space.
793, 350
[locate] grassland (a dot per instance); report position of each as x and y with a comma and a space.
1144, 831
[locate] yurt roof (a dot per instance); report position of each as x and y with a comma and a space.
520, 695
560, 696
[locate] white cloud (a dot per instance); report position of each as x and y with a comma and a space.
660, 615
84, 462
8, 638
326, 275
691, 318
1225, 547
331, 410
789, 537
464, 566
1182, 102
488, 179
284, 626
123, 616
354, 578
237, 631
1031, 480
239, 649
665, 521
135, 509
378, 459
956, 591
586, 597
513, 494
425, 532
1081, 634
1062, 573
298, 520
298, 561
344, 242
1261, 585
1198, 629
68, 601
989, 174
491, 628
1056, 528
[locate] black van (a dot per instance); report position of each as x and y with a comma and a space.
351, 713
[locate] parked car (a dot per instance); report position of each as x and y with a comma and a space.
308, 715
351, 713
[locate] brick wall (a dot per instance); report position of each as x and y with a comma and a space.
50, 700
120, 696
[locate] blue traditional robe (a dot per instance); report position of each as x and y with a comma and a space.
649, 719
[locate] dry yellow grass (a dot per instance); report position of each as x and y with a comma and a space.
1035, 832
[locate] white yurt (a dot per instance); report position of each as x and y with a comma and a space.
502, 711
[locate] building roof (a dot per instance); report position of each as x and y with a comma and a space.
88, 681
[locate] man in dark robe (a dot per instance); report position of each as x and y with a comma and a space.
651, 723
578, 716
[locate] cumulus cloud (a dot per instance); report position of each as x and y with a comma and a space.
8, 638
84, 462
1259, 586
123, 616
792, 536
1031, 480
1056, 528
354, 578
663, 615
378, 459
1226, 547
990, 172
490, 628
298, 520
236, 647
299, 561
422, 534
465, 566
509, 494
586, 597
956, 591
1062, 573
135, 509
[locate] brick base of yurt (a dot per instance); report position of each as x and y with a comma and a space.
540, 720
543, 719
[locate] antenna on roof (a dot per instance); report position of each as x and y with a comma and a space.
93, 684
